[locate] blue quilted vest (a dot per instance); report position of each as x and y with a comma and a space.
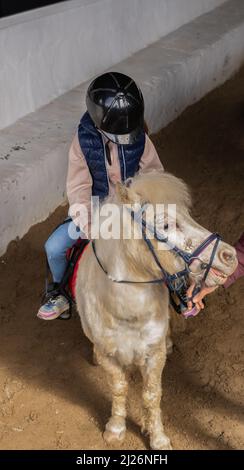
92, 146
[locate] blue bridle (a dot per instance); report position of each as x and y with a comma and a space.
188, 258
178, 281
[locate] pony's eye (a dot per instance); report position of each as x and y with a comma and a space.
166, 226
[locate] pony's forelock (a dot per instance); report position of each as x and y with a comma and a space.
160, 187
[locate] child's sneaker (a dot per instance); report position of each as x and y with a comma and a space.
53, 308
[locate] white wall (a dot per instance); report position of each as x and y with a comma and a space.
45, 52
173, 73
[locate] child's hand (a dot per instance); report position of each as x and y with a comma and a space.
198, 298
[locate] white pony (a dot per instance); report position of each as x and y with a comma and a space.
128, 323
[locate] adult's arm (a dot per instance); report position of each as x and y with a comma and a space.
239, 272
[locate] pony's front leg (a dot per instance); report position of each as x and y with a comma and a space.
115, 427
152, 420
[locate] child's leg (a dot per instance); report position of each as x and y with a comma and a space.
57, 305
56, 247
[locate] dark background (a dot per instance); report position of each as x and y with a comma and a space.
10, 7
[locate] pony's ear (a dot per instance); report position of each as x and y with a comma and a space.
128, 182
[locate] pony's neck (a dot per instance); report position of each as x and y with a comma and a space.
122, 260
126, 258
112, 256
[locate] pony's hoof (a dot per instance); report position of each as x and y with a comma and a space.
160, 443
112, 437
115, 430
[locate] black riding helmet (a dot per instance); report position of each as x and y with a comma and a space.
116, 106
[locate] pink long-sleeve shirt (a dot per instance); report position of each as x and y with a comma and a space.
79, 179
239, 272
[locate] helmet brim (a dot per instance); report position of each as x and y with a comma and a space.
123, 139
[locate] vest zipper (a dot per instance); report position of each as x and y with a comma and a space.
123, 155
105, 161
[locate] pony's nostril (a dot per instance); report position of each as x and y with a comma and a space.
227, 256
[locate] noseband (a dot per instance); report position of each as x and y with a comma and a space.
177, 282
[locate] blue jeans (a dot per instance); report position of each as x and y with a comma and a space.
63, 238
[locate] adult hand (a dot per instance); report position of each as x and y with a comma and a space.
198, 298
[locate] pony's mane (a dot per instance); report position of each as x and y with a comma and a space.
159, 187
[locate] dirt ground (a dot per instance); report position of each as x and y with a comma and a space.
52, 397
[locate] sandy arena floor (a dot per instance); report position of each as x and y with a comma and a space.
52, 397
